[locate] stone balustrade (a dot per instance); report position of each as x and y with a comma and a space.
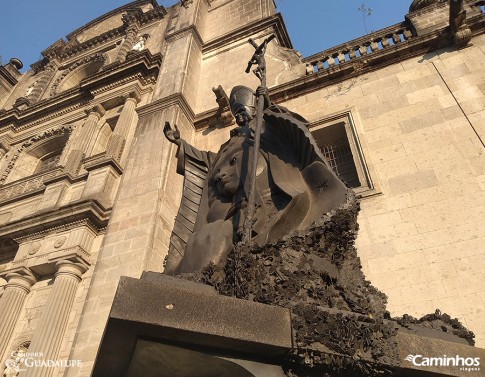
358, 48
27, 185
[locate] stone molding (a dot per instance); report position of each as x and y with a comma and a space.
102, 161
13, 155
19, 277
61, 228
142, 67
189, 30
241, 34
97, 110
46, 264
62, 50
89, 210
176, 99
71, 269
98, 57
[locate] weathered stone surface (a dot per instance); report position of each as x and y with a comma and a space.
169, 309
200, 316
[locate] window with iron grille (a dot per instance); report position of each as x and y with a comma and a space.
337, 137
48, 162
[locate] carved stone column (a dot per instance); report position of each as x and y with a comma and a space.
84, 139
11, 303
127, 117
53, 323
128, 43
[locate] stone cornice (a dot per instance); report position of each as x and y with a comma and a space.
60, 218
176, 99
140, 66
46, 109
275, 22
62, 50
192, 29
130, 6
416, 46
97, 162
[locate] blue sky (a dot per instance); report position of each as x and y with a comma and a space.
30, 26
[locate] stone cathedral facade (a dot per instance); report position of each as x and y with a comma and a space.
88, 184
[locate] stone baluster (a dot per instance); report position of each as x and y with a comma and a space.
341, 56
84, 140
127, 117
11, 304
52, 325
374, 46
128, 43
352, 53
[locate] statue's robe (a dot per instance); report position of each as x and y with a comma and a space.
302, 188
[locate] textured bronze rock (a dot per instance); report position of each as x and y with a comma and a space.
340, 323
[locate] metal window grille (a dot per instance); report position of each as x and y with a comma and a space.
340, 158
48, 163
334, 144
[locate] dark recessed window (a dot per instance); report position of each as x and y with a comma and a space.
335, 146
337, 137
48, 162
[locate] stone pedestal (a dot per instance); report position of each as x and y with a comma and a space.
165, 326
189, 328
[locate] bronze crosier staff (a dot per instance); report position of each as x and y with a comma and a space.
260, 72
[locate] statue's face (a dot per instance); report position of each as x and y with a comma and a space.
242, 117
226, 174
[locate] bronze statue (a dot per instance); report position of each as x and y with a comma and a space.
293, 187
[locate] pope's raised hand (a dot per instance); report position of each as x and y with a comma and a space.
173, 135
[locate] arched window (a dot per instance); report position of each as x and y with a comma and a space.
39, 157
75, 73
78, 75
48, 162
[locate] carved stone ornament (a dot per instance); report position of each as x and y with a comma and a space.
98, 57
34, 248
59, 241
14, 153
